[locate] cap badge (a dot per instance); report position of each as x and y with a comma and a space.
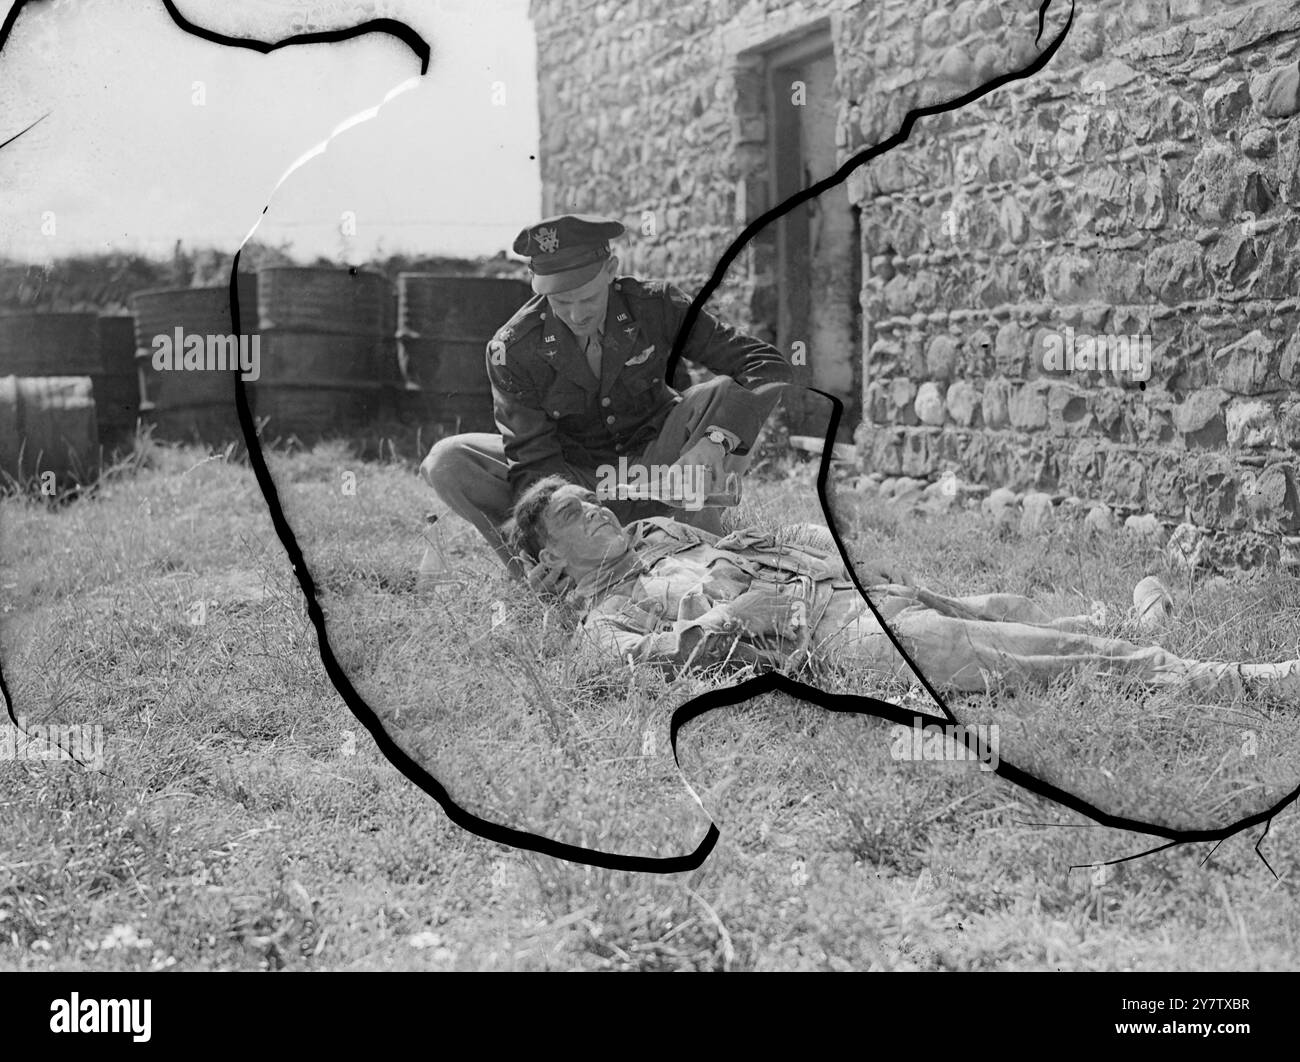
548, 240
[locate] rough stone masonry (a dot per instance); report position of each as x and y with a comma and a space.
1144, 185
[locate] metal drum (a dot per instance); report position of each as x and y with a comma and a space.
192, 404
443, 328
47, 424
328, 359
49, 344
117, 390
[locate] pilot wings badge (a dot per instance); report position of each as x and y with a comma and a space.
641, 358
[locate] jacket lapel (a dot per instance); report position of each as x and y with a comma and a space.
623, 341
567, 359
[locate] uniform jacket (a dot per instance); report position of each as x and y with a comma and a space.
651, 613
553, 413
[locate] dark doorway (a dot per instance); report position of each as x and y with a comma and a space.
819, 257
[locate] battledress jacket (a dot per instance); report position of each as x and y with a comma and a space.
651, 613
553, 413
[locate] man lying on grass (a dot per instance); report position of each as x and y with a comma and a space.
662, 592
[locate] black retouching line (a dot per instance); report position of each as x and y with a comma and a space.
725, 697
397, 756
871, 705
811, 192
7, 26
392, 27
1042, 18
9, 701
823, 478
413, 771
1267, 826
361, 710
857, 704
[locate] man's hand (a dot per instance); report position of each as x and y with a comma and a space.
765, 612
719, 620
706, 453
545, 579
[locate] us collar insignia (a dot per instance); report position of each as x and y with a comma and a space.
548, 339
621, 317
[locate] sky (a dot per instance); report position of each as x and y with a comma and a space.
153, 135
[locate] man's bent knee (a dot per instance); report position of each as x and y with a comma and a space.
446, 464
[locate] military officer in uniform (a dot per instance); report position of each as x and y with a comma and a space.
578, 382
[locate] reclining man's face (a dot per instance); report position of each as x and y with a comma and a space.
580, 532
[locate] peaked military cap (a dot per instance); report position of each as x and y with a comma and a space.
565, 252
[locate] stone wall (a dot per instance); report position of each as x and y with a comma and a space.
1145, 184
640, 120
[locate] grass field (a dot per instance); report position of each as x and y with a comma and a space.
244, 820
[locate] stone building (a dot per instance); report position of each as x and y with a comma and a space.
1134, 200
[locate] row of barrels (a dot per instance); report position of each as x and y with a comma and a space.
323, 352
68, 388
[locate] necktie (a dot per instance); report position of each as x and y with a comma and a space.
593, 355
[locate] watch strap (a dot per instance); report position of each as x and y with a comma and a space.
729, 440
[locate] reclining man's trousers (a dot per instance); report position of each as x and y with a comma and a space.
973, 643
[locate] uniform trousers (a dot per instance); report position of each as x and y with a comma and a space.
971, 644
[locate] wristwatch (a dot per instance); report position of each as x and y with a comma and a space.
716, 435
